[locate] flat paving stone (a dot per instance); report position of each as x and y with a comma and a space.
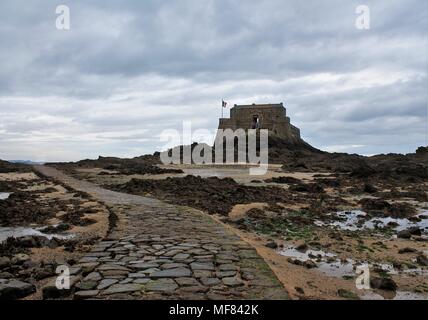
150, 271
172, 253
104, 284
88, 285
203, 274
187, 281
225, 256
86, 294
180, 257
232, 282
98, 254
202, 266
228, 267
122, 288
162, 285
137, 275
141, 280
88, 266
225, 274
173, 265
210, 281
108, 273
127, 280
88, 259
93, 276
171, 273
106, 267
195, 289
142, 266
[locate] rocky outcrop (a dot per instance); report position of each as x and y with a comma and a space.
14, 289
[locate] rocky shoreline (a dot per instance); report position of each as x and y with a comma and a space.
320, 223
360, 209
43, 224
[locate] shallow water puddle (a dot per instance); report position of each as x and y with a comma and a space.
329, 264
4, 195
292, 252
398, 295
18, 232
355, 220
337, 268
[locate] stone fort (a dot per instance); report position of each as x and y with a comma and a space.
261, 116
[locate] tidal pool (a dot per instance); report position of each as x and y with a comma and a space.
18, 232
398, 295
329, 264
356, 220
4, 195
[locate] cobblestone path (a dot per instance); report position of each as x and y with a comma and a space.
163, 251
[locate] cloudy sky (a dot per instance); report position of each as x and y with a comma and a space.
127, 70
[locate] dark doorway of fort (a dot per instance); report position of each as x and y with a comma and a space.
256, 122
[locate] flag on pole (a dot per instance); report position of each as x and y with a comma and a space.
223, 105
